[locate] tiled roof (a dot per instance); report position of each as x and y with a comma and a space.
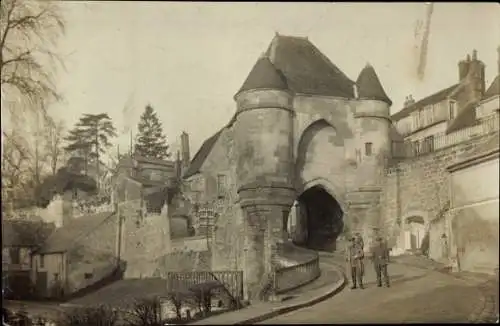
264, 76
432, 99
494, 88
202, 154
306, 69
153, 160
369, 86
465, 118
18, 233
67, 235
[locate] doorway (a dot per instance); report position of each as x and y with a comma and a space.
323, 219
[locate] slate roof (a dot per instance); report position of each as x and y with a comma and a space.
66, 236
431, 99
369, 86
494, 88
18, 233
264, 76
465, 118
306, 69
153, 160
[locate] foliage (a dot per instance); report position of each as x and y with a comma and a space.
90, 138
100, 315
145, 312
65, 179
151, 142
27, 30
203, 294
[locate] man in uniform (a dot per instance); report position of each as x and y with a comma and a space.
354, 258
380, 257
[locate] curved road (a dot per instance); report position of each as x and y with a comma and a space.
416, 295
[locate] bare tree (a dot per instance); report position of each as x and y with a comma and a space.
28, 29
54, 144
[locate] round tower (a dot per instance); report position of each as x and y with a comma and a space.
263, 139
373, 124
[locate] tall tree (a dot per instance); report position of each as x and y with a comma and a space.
91, 137
150, 141
28, 31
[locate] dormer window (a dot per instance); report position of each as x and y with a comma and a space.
452, 109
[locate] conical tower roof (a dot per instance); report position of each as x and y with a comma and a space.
264, 75
369, 86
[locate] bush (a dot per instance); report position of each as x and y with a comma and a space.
203, 294
98, 316
145, 312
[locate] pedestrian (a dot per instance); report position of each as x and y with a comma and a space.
380, 257
354, 258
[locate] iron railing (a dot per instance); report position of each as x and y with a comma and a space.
231, 280
408, 149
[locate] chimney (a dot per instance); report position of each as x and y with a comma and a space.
185, 149
476, 74
463, 68
409, 101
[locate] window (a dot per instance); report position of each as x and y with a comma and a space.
15, 256
221, 185
416, 122
358, 155
56, 277
452, 110
368, 149
429, 144
416, 147
42, 261
284, 216
430, 114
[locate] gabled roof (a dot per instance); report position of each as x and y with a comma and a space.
494, 88
369, 86
65, 237
306, 69
18, 233
201, 155
205, 149
465, 118
431, 99
264, 76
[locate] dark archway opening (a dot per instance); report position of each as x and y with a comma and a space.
323, 219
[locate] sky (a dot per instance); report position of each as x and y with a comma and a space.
188, 59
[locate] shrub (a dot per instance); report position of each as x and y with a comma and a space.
85, 316
177, 298
145, 312
203, 293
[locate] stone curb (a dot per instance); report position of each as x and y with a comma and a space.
339, 286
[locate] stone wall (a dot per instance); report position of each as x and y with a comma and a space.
94, 256
419, 186
145, 238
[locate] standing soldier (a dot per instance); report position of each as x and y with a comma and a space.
354, 258
380, 257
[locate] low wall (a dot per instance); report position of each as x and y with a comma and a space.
303, 268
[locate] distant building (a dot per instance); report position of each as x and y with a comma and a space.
19, 239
